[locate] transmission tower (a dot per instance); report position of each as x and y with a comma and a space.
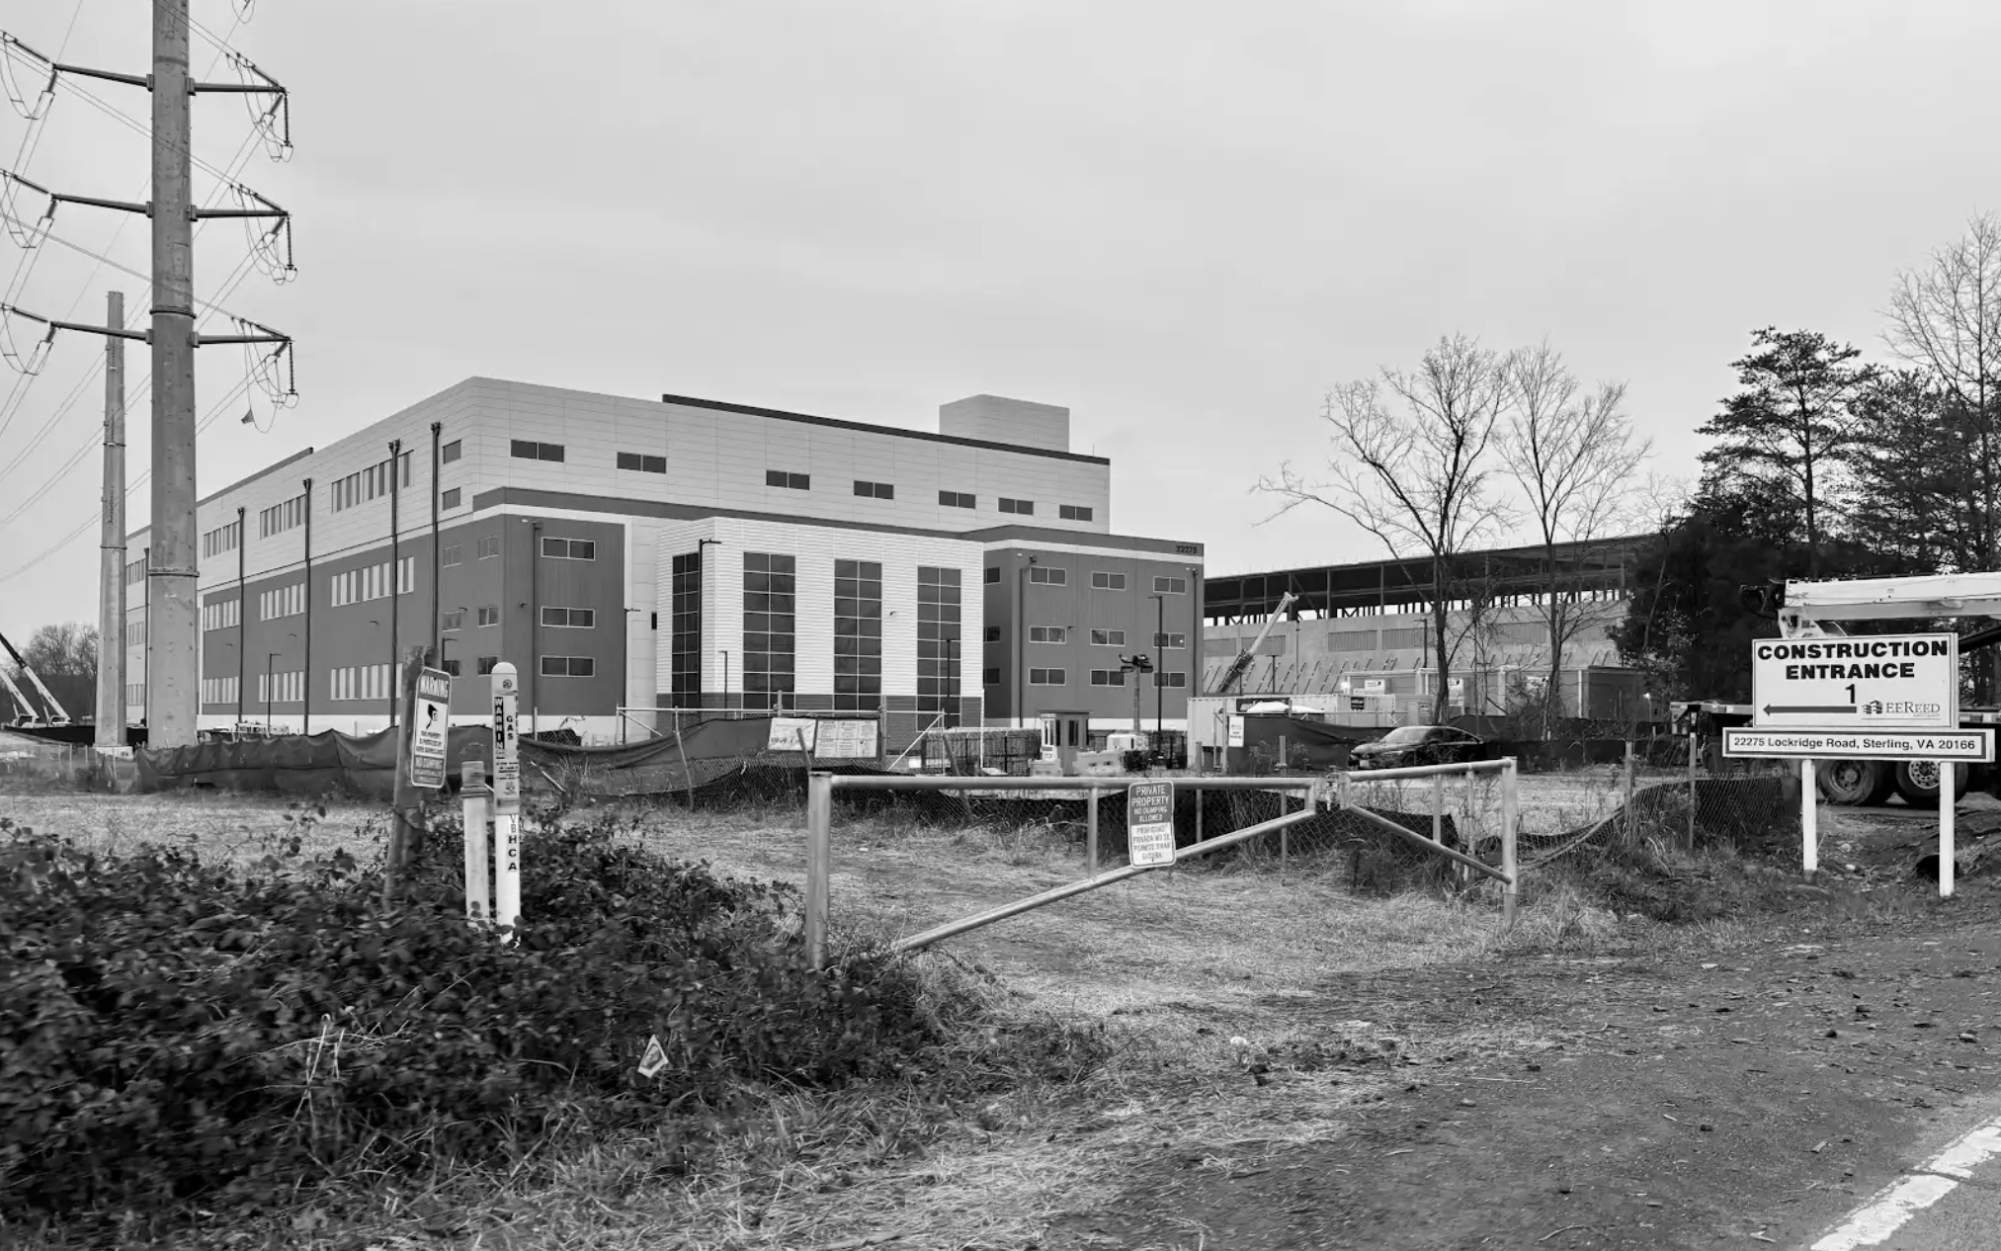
173, 610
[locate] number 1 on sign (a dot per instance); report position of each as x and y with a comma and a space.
1851, 692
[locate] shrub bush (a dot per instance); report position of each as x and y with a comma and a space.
169, 1027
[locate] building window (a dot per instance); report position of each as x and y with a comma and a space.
989, 677
450, 452
1108, 677
454, 554
215, 615
218, 691
485, 664
370, 483
790, 481
222, 539
957, 499
569, 666
1025, 507
1102, 580
528, 449
281, 517
450, 666
1073, 512
1170, 586
770, 638
570, 618
570, 549
1047, 677
1170, 641
876, 490
857, 635
1048, 634
938, 641
281, 688
993, 574
1108, 638
640, 463
489, 547
489, 614
450, 499
135, 572
454, 620
991, 634
1046, 576
686, 625
364, 682
284, 601
1170, 679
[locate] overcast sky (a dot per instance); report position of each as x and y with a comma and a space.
1185, 222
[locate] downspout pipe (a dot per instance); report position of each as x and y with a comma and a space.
306, 696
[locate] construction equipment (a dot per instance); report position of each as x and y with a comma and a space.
1812, 609
1242, 664
56, 713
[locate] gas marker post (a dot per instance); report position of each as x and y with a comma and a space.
506, 797
1860, 697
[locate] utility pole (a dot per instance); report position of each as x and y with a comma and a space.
111, 597
173, 610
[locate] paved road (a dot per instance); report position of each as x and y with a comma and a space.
1949, 1198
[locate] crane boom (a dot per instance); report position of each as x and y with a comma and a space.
1242, 664
58, 715
27, 710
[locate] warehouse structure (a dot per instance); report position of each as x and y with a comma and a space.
633, 556
1357, 639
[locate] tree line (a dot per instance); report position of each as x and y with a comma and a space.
1821, 464
1828, 464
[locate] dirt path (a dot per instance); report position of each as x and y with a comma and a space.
1657, 1107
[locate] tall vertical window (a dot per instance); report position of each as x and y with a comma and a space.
770, 638
687, 630
938, 643
857, 635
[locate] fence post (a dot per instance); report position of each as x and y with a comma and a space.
479, 866
819, 863
1284, 806
1438, 818
1510, 813
1632, 828
1198, 814
1091, 832
1809, 823
1947, 783
1691, 790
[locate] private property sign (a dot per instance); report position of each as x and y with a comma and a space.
1859, 682
1150, 823
1967, 746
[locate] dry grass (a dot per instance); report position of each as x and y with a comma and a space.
1189, 978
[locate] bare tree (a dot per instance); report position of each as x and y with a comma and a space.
1945, 319
1573, 456
1410, 464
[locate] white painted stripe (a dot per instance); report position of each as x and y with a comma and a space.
1885, 1214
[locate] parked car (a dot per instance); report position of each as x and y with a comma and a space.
1411, 745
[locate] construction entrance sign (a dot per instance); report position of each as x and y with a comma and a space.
1856, 682
1150, 823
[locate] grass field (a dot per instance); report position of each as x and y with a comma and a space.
1196, 984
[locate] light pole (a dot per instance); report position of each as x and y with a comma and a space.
1159, 670
726, 679
447, 637
268, 692
392, 679
1021, 645
951, 681
701, 598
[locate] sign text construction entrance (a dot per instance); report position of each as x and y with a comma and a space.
1150, 823
1859, 682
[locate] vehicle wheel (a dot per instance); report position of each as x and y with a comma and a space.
1917, 782
1854, 781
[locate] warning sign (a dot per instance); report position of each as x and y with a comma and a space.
430, 725
1150, 823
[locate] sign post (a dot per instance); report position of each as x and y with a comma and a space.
1150, 823
430, 729
478, 813
1860, 697
506, 797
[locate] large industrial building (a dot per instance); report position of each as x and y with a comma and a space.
631, 556
1357, 639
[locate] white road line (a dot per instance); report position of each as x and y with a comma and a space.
1933, 1180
